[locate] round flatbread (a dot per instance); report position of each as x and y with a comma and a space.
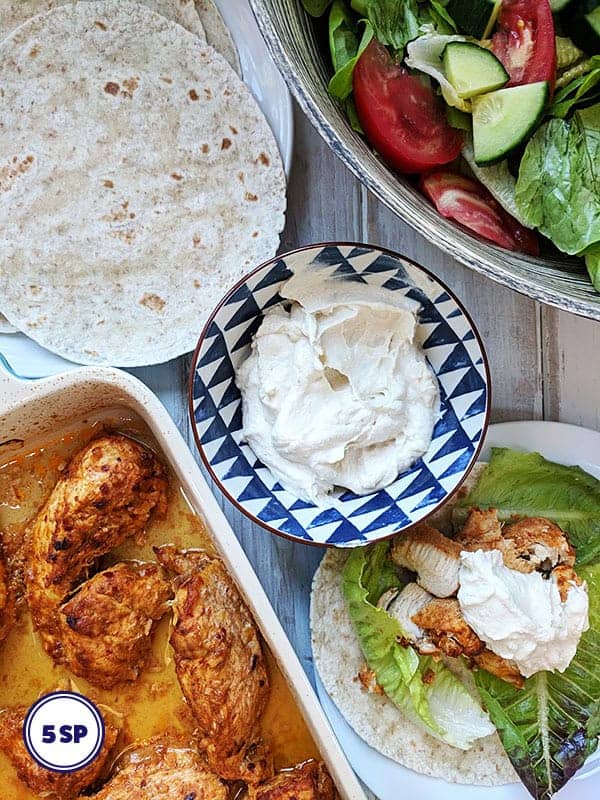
139, 181
15, 12
338, 659
217, 33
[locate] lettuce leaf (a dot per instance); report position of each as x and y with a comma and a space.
395, 24
425, 54
579, 90
440, 18
526, 484
558, 188
497, 179
378, 573
346, 44
426, 691
552, 725
592, 262
567, 54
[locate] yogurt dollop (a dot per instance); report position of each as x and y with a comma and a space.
521, 616
335, 391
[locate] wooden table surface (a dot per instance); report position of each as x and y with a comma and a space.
545, 364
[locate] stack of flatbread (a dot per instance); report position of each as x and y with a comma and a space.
139, 180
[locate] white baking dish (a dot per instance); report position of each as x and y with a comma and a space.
33, 410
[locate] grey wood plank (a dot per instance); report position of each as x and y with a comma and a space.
571, 368
324, 199
509, 323
169, 382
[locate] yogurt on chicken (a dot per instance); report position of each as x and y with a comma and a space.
336, 392
519, 616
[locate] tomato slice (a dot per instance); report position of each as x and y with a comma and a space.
524, 41
400, 115
471, 205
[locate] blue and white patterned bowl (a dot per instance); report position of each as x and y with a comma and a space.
453, 349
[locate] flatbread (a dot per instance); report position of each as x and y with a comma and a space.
376, 719
217, 33
139, 181
15, 12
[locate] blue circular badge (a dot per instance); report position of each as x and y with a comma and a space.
63, 731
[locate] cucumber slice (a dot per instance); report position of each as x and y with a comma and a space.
474, 17
505, 118
472, 69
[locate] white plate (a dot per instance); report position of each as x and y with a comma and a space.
566, 444
26, 359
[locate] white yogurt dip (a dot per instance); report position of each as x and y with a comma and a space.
336, 393
521, 616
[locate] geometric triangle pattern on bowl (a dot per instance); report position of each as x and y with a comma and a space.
452, 347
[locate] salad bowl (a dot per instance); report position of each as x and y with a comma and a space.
451, 346
297, 44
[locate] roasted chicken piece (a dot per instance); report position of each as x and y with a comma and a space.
107, 494
535, 543
528, 545
403, 607
368, 679
482, 530
443, 629
157, 770
307, 781
434, 626
105, 629
43, 782
443, 622
565, 577
220, 664
500, 667
7, 602
433, 556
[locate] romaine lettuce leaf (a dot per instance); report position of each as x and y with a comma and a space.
426, 691
558, 188
378, 573
551, 726
526, 484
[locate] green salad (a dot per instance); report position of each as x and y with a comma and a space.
494, 106
549, 722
